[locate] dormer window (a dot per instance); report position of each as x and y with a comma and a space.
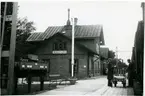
59, 45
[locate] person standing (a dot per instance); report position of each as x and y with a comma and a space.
110, 73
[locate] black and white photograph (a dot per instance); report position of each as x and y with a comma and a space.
72, 47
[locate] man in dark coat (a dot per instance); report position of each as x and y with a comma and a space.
110, 73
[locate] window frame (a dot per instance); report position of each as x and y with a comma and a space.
59, 45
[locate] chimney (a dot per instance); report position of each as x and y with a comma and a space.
143, 8
67, 27
68, 21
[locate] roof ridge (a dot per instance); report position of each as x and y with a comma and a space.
78, 25
56, 26
90, 25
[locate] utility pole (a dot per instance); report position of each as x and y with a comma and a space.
74, 20
143, 9
11, 65
116, 52
7, 44
72, 56
116, 56
2, 35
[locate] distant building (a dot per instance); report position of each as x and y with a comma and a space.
54, 45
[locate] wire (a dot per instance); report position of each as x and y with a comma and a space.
124, 51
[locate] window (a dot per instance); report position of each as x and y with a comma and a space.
59, 45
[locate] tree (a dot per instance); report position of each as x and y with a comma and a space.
111, 54
121, 64
24, 29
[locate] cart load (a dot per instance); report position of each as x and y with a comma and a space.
119, 76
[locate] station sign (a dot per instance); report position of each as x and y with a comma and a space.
60, 52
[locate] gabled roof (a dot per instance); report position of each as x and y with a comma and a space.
80, 45
36, 36
81, 31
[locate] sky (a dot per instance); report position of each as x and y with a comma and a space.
118, 18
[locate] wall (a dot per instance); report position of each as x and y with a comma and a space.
98, 63
59, 64
89, 43
94, 66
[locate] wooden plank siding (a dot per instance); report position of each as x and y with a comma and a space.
59, 63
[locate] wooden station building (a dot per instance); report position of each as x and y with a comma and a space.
54, 46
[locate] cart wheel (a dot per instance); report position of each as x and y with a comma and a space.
124, 85
115, 83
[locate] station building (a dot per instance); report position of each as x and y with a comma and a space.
54, 46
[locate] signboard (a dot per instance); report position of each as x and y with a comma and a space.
60, 52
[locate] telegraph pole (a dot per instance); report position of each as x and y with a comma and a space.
116, 56
72, 56
2, 34
7, 45
74, 20
11, 65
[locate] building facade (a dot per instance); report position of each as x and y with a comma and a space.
137, 59
104, 59
54, 46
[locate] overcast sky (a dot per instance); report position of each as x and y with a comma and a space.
119, 19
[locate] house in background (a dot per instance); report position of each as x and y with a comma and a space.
54, 46
104, 53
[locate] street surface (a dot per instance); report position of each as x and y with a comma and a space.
93, 86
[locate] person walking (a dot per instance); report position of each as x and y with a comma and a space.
110, 73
